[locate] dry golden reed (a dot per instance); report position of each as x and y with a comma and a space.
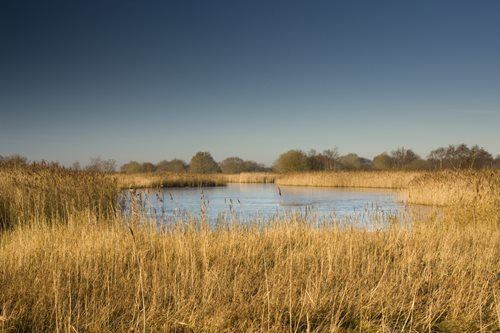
168, 179
288, 276
369, 179
42, 194
82, 275
455, 188
151, 180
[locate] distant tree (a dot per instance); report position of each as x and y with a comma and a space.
232, 165
332, 158
131, 167
403, 157
76, 166
480, 158
457, 156
292, 161
315, 160
238, 165
437, 158
417, 164
383, 162
252, 166
148, 167
13, 161
496, 162
174, 165
366, 163
203, 162
351, 162
460, 157
98, 164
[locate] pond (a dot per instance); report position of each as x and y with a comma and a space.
260, 202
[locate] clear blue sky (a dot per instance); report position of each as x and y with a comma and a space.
152, 80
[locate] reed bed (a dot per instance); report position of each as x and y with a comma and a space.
251, 177
440, 274
455, 188
288, 276
154, 180
42, 194
369, 179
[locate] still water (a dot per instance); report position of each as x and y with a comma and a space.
251, 202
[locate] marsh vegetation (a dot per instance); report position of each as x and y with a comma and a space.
69, 261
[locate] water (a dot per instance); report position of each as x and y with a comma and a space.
251, 202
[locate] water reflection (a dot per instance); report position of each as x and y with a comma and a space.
261, 202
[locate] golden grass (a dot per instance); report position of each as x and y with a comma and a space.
437, 275
455, 187
251, 177
151, 180
288, 276
40, 194
167, 179
369, 179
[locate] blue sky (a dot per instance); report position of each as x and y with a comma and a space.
152, 80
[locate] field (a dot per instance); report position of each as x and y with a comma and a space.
70, 262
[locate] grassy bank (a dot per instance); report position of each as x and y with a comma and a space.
98, 272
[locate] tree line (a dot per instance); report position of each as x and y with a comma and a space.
451, 157
201, 162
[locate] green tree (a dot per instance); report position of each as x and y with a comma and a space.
383, 162
292, 161
203, 162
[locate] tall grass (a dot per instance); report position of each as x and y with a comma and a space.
288, 276
369, 179
251, 177
437, 275
169, 179
41, 194
455, 187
